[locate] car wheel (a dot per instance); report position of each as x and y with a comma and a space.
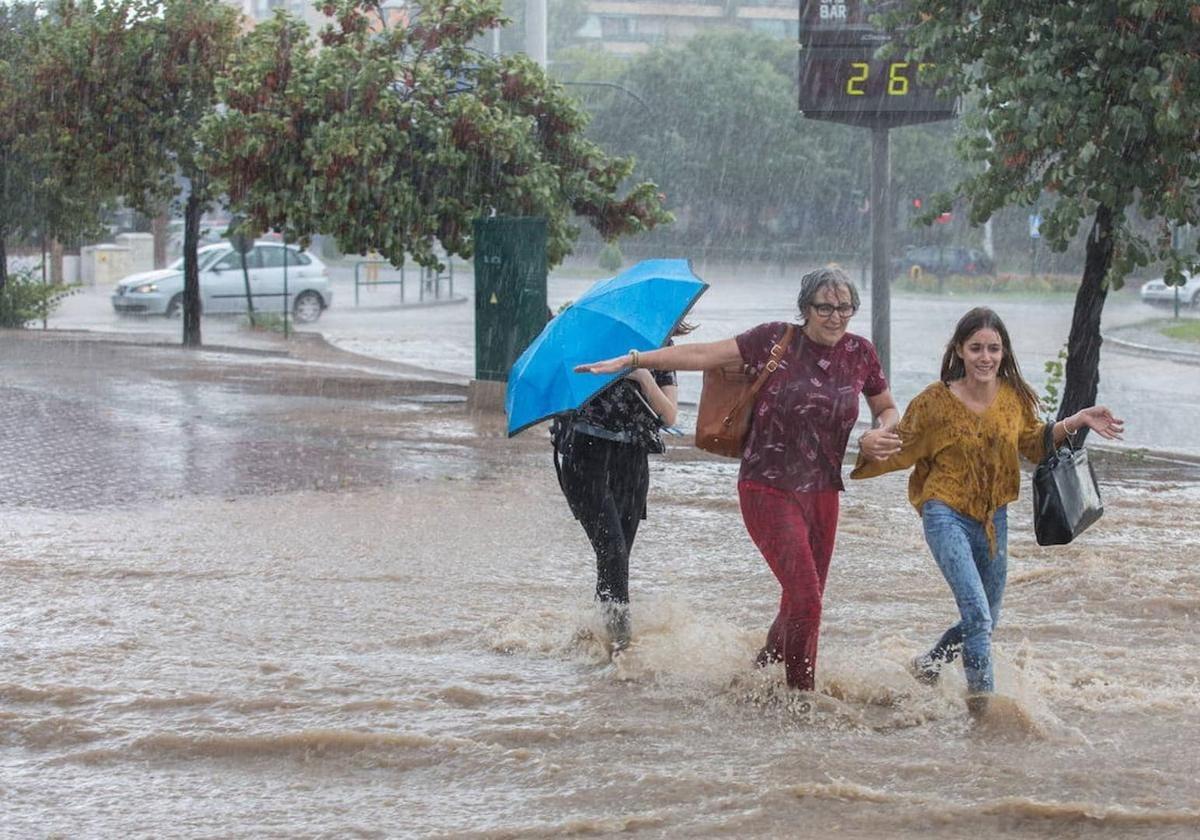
175, 307
308, 307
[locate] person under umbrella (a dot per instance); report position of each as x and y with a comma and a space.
791, 472
603, 429
605, 476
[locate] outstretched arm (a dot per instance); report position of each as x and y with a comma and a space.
700, 356
1097, 418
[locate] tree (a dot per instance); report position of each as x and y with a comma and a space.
123, 87
34, 200
394, 139
716, 124
1089, 106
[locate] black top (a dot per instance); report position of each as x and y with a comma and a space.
622, 407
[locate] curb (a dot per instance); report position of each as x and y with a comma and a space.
1135, 349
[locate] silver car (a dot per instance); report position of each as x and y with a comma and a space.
1158, 292
223, 288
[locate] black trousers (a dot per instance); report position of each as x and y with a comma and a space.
605, 483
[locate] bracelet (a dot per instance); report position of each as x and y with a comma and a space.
1067, 428
633, 359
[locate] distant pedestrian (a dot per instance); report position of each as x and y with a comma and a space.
963, 436
605, 475
791, 471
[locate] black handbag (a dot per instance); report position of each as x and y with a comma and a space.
1066, 497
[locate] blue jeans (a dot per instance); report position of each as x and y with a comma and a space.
976, 577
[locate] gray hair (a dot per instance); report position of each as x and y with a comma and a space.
828, 277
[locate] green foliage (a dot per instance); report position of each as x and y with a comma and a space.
24, 298
36, 198
1052, 395
394, 139
121, 88
714, 122
610, 258
1078, 106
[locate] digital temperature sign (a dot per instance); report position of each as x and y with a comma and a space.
841, 80
856, 87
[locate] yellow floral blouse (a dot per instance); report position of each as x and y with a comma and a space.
962, 459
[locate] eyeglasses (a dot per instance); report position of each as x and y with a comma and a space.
845, 310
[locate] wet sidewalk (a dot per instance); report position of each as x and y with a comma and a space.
1146, 338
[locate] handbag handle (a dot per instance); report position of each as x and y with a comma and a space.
772, 364
1048, 439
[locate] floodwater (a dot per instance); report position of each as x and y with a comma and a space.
389, 633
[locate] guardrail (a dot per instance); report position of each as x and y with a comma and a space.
430, 284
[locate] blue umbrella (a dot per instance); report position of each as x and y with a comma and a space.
636, 310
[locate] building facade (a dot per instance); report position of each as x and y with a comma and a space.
627, 27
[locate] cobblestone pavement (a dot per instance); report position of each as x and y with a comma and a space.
86, 424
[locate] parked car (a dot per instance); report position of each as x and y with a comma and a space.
948, 259
1158, 292
222, 286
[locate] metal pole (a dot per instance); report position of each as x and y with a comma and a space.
881, 239
535, 31
46, 305
286, 308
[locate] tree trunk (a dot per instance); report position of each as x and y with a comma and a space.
160, 227
246, 282
1082, 376
191, 270
56, 263
3, 262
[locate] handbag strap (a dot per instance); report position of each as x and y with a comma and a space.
1048, 439
1048, 449
777, 351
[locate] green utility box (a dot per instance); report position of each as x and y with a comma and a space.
510, 291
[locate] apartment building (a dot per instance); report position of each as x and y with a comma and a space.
627, 27
257, 10
624, 27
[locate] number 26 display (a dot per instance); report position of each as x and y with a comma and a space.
853, 86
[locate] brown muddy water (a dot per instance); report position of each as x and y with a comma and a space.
415, 655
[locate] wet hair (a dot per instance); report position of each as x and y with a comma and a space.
827, 277
982, 318
683, 328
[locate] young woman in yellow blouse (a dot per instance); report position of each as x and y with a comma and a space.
962, 436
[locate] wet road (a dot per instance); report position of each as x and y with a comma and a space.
245, 597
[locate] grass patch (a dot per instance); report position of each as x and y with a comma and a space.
1183, 331
264, 322
1002, 283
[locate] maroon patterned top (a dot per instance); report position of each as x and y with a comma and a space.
806, 409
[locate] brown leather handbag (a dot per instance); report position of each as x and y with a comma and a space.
727, 400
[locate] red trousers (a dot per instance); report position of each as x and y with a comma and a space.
795, 533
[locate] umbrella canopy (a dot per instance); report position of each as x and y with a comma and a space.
636, 310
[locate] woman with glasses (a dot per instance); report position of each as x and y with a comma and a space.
791, 471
